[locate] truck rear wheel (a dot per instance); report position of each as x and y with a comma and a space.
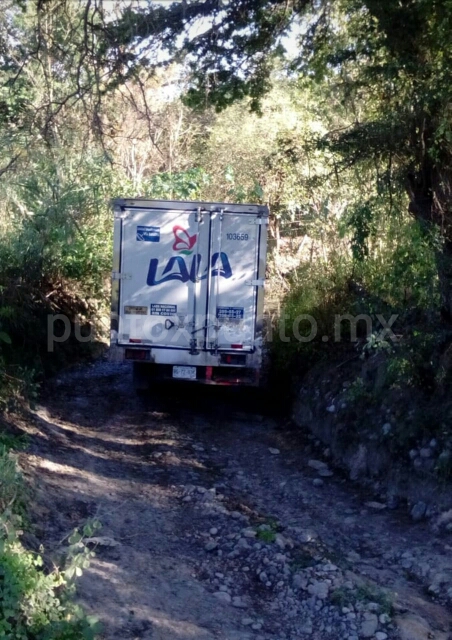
141, 376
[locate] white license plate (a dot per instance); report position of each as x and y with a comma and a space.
187, 373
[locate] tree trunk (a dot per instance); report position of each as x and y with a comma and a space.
444, 266
276, 233
429, 190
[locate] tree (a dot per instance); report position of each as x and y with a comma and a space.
149, 130
392, 58
229, 45
396, 56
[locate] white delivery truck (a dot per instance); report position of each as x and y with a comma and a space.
187, 289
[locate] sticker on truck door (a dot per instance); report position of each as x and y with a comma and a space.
230, 313
163, 309
134, 310
148, 234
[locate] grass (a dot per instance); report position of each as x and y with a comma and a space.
10, 442
341, 597
366, 593
266, 536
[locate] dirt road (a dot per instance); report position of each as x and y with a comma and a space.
221, 523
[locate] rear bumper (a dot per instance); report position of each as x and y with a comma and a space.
218, 376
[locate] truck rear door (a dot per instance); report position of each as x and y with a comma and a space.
161, 256
232, 287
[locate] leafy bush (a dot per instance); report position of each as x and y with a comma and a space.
36, 604
397, 276
183, 185
318, 291
33, 604
55, 255
12, 488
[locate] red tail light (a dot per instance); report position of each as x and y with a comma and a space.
136, 354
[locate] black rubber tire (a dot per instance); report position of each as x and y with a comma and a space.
141, 377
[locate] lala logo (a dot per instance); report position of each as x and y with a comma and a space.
177, 269
183, 241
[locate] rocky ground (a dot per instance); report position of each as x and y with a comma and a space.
221, 523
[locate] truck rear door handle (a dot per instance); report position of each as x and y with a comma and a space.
206, 326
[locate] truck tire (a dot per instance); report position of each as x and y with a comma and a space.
141, 378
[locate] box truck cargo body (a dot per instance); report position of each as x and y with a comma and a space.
187, 289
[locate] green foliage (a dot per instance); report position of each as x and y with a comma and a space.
356, 392
401, 371
375, 344
360, 221
415, 361
79, 556
60, 220
10, 441
402, 267
267, 532
340, 597
36, 604
183, 185
266, 535
398, 276
12, 487
373, 593
55, 254
238, 192
319, 292
216, 67
364, 594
